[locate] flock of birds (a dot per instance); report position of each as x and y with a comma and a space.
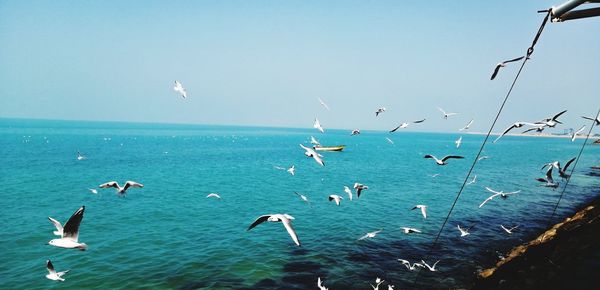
69, 232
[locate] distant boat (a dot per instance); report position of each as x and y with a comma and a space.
329, 148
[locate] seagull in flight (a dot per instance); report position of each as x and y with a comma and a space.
52, 274
370, 235
348, 191
548, 180
336, 198
515, 125
317, 125
562, 171
419, 121
401, 126
69, 235
355, 132
431, 268
121, 190
502, 194
303, 197
509, 231
92, 190
458, 141
314, 141
359, 188
552, 121
597, 120
80, 156
320, 284
443, 160
538, 129
285, 219
473, 180
323, 104
467, 126
180, 89
423, 209
503, 64
378, 281
446, 115
292, 170
214, 195
409, 266
577, 132
464, 232
379, 111
407, 230
312, 153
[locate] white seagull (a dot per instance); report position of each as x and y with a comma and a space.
180, 89
378, 281
320, 284
303, 197
472, 181
370, 235
70, 232
597, 120
509, 231
292, 170
121, 190
323, 104
463, 232
409, 266
502, 194
431, 268
443, 160
548, 180
348, 191
446, 115
285, 219
467, 126
359, 188
515, 125
314, 141
423, 209
355, 132
312, 153
552, 121
80, 156
410, 230
577, 132
379, 111
335, 198
458, 141
52, 274
503, 64
92, 190
213, 195
317, 125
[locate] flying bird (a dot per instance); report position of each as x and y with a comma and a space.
348, 191
419, 121
317, 125
320, 284
509, 231
303, 197
463, 232
407, 230
292, 170
52, 274
378, 281
473, 180
503, 64
458, 141
355, 132
180, 89
538, 129
443, 160
370, 235
92, 190
314, 141
502, 194
515, 125
285, 219
121, 190
552, 121
359, 188
80, 156
562, 171
549, 181
577, 132
69, 237
423, 209
309, 152
409, 266
467, 126
446, 115
323, 104
213, 195
597, 120
336, 198
379, 111
431, 268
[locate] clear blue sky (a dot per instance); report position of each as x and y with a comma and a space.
266, 62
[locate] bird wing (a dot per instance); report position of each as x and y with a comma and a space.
290, 230
507, 230
317, 158
432, 157
491, 190
435, 264
57, 224
394, 130
261, 219
419, 121
564, 169
488, 199
71, 228
496, 70
504, 133
452, 157
549, 176
109, 184
348, 191
424, 211
130, 183
514, 59
50, 267
62, 273
442, 110
324, 105
426, 265
558, 115
359, 191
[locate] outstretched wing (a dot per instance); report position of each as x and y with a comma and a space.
488, 199
491, 190
109, 184
395, 129
504, 133
452, 157
558, 115
290, 230
57, 224
50, 267
71, 228
568, 163
130, 183
261, 219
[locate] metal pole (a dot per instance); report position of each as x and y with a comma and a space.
558, 11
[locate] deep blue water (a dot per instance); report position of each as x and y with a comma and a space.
167, 235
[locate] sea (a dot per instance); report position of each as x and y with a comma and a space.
169, 235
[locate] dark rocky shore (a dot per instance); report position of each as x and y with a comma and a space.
567, 256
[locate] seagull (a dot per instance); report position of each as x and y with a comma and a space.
312, 153
336, 198
52, 274
92, 190
314, 141
409, 266
379, 111
552, 121
482, 158
303, 197
70, 233
359, 188
502, 194
548, 180
215, 195
431, 268
446, 115
370, 235
467, 126
285, 219
443, 161
515, 125
509, 231
320, 284
463, 232
180, 89
597, 120
121, 190
348, 191
577, 132
378, 281
389, 140
292, 170
423, 209
410, 230
503, 64
80, 156
472, 181
539, 129
355, 132
317, 125
324, 105
458, 141
401, 126
419, 121
562, 171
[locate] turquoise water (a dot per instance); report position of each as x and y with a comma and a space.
167, 235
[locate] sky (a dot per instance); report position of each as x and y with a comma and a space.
265, 63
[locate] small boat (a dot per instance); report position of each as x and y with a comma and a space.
329, 148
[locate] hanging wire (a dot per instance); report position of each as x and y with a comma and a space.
487, 136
